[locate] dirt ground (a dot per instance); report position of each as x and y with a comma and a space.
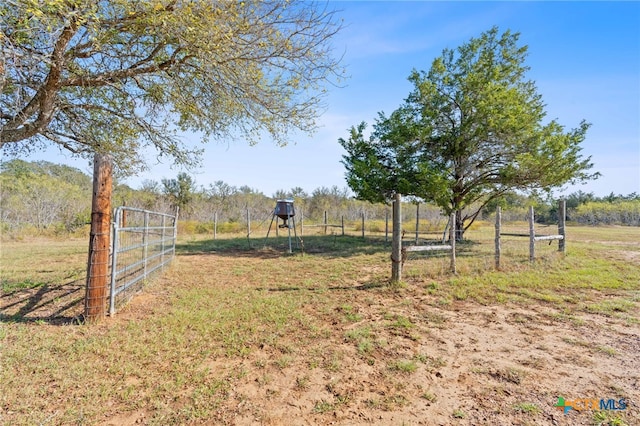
466, 363
476, 365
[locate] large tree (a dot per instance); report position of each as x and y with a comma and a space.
120, 75
473, 128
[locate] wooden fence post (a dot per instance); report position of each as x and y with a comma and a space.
562, 217
342, 219
325, 222
452, 237
363, 224
532, 235
99, 239
396, 242
497, 239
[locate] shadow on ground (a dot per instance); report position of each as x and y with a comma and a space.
365, 286
328, 246
57, 304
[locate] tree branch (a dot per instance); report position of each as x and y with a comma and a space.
43, 102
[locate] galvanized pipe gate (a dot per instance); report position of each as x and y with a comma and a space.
144, 242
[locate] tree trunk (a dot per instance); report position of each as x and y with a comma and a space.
396, 241
459, 226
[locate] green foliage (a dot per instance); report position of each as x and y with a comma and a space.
403, 366
471, 130
120, 76
44, 196
598, 212
180, 191
527, 407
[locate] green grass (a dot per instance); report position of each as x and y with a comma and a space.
527, 407
604, 418
7, 286
403, 366
458, 414
35, 263
363, 338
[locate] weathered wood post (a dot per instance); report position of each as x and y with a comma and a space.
396, 241
325, 222
532, 235
497, 239
342, 221
452, 237
99, 239
562, 217
362, 223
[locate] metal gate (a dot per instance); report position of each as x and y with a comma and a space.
144, 242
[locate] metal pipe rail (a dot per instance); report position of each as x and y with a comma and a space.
139, 251
548, 237
427, 248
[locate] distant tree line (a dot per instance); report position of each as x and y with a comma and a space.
44, 197
582, 207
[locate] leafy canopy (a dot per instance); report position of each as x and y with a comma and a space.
472, 129
121, 75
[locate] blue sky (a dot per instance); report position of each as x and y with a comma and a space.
584, 58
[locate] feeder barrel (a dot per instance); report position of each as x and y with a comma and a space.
284, 209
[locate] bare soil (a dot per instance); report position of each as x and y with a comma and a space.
475, 364
461, 363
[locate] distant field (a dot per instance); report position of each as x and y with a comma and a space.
235, 333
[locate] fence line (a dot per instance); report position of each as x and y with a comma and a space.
561, 236
144, 242
325, 224
451, 247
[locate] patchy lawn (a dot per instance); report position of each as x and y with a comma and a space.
240, 335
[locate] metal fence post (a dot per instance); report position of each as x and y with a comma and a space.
532, 235
162, 241
386, 225
114, 260
562, 230
248, 223
453, 242
417, 221
145, 241
175, 229
215, 225
497, 237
